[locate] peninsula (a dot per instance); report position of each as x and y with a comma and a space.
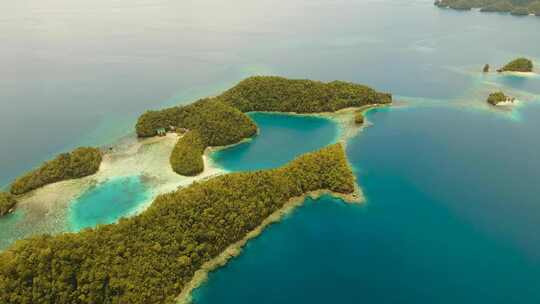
79, 163
151, 257
220, 120
515, 7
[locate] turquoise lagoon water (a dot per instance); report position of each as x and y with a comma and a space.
451, 216
103, 203
107, 202
281, 138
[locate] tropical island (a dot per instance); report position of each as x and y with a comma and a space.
151, 257
518, 65
515, 7
166, 250
499, 98
221, 120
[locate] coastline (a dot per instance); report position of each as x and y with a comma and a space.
344, 118
46, 209
201, 276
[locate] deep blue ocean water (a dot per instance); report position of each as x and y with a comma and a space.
450, 217
281, 138
107, 202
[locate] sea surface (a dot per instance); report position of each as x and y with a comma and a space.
452, 209
451, 216
281, 138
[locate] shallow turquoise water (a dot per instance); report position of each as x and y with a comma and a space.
107, 202
452, 217
281, 138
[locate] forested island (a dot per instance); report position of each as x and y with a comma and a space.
80, 162
150, 257
220, 120
518, 65
7, 203
515, 7
498, 98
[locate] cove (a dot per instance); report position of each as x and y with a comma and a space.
281, 138
107, 202
451, 216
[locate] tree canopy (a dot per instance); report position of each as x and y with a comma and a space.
497, 97
518, 65
7, 202
516, 7
150, 257
271, 93
220, 121
186, 157
80, 162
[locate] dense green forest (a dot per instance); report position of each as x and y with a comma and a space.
518, 65
515, 7
210, 123
359, 118
220, 120
186, 157
7, 202
271, 93
150, 257
497, 97
80, 162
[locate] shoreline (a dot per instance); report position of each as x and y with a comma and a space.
343, 118
234, 250
47, 209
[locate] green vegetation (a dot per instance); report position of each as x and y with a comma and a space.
219, 121
210, 123
516, 7
498, 7
486, 68
150, 257
270, 93
7, 203
498, 97
186, 158
518, 65
534, 8
81, 162
520, 11
359, 118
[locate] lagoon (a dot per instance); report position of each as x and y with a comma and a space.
107, 202
281, 138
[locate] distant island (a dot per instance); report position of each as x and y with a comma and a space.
514, 7
152, 257
518, 65
220, 120
499, 98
